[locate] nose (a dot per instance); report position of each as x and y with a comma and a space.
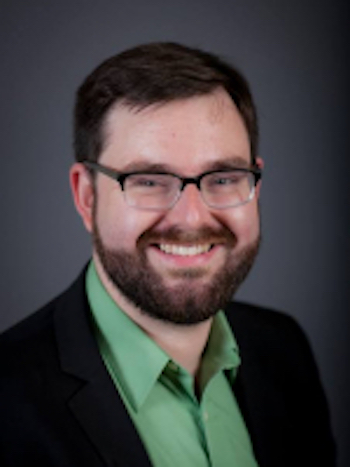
190, 210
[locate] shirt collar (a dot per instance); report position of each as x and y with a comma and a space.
135, 360
221, 352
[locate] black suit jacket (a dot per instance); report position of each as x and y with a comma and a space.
60, 408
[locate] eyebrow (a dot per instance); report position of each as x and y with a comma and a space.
228, 163
234, 162
144, 166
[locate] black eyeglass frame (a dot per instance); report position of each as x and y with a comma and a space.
120, 177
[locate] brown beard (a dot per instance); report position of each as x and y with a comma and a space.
192, 300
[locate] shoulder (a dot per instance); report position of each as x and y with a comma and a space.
258, 315
269, 334
27, 337
33, 339
27, 354
265, 322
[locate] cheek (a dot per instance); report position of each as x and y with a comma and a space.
244, 223
120, 225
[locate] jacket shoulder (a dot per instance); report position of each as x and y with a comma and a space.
31, 339
263, 323
272, 338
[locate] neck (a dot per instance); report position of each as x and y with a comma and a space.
183, 343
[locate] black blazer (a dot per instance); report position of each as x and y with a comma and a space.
59, 407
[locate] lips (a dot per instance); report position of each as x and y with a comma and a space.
187, 248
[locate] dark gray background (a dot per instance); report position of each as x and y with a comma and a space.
296, 56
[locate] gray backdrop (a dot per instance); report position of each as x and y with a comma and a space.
296, 56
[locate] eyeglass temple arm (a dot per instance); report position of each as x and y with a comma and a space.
119, 177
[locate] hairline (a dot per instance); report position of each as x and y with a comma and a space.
139, 107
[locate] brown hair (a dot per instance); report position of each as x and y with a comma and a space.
149, 74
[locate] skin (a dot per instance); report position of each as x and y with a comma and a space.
186, 137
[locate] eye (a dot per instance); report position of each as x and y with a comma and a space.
150, 182
146, 182
225, 179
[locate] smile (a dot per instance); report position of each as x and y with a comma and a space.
182, 250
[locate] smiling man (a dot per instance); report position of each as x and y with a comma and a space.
137, 363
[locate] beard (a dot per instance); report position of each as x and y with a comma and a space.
192, 299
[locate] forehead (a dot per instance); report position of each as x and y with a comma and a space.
186, 135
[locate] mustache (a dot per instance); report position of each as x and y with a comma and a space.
178, 235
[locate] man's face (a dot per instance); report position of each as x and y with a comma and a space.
184, 263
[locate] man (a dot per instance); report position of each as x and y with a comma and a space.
136, 364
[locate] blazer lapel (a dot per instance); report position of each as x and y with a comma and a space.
258, 406
262, 403
96, 404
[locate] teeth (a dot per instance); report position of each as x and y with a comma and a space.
184, 250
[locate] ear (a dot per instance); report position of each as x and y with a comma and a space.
260, 164
83, 193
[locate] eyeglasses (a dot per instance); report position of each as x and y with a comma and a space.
219, 189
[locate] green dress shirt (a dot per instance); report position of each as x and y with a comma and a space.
178, 426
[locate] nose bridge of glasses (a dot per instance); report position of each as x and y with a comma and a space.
192, 197
191, 181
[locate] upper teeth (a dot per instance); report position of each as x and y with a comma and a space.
184, 250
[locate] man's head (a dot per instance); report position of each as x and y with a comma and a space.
164, 108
